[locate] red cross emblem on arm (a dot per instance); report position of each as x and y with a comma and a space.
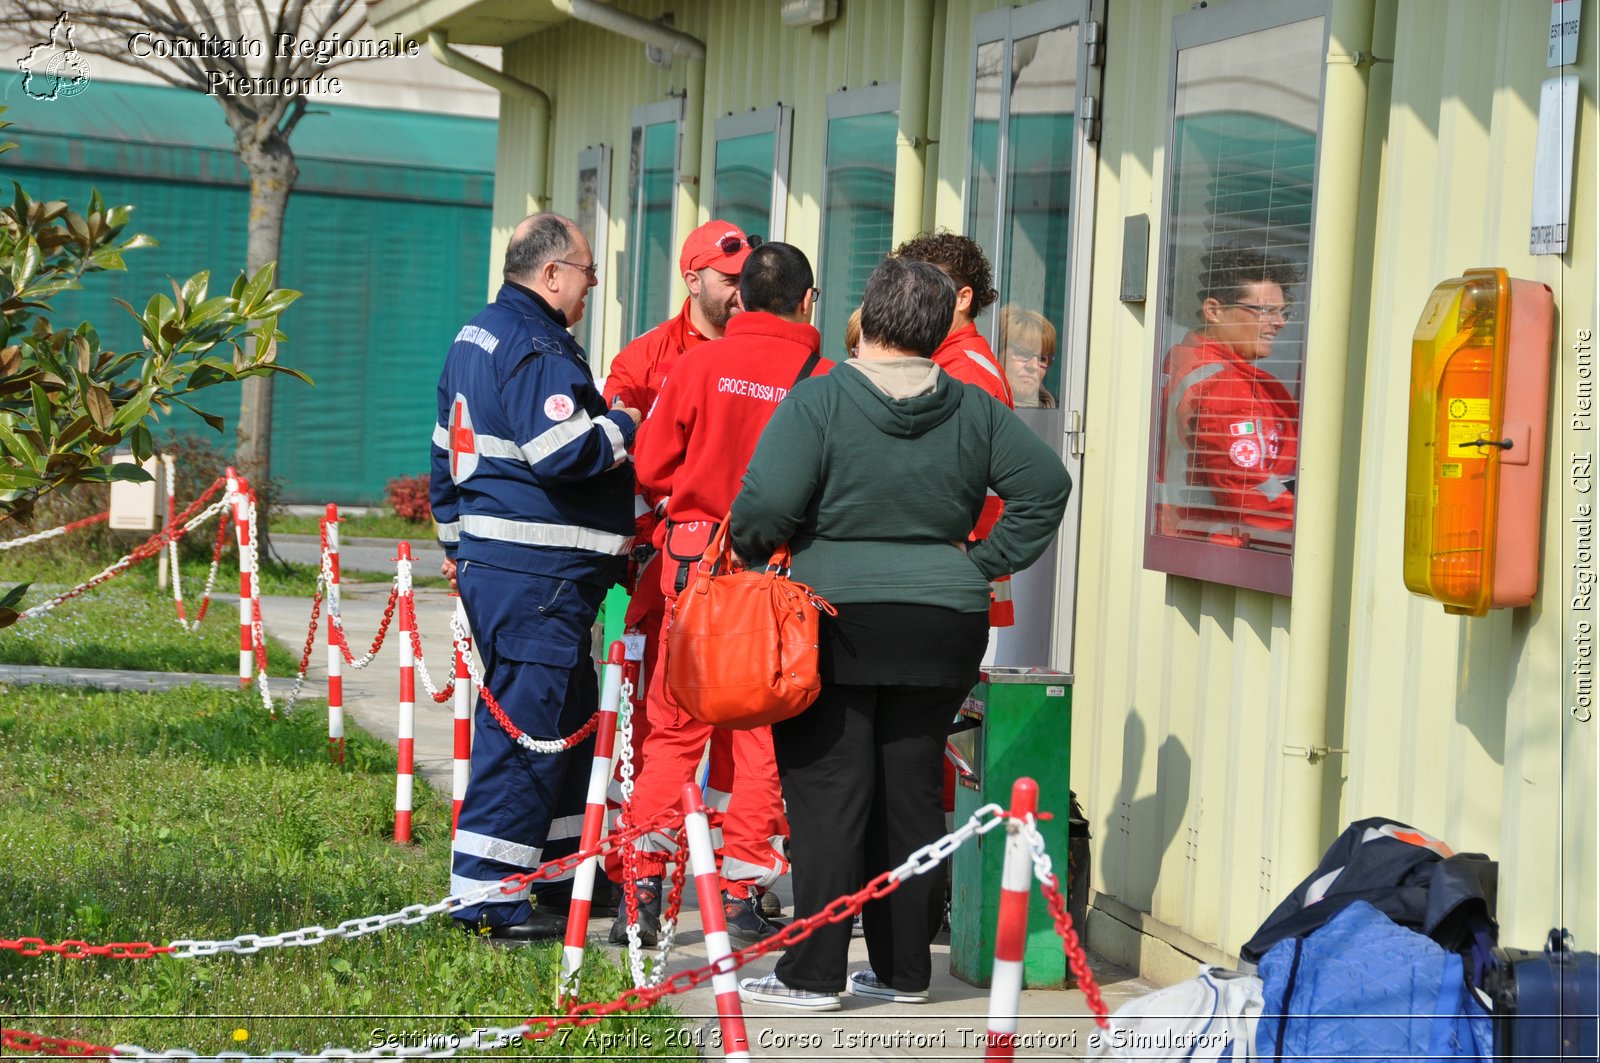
463, 445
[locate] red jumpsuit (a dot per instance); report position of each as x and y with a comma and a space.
693, 450
1229, 438
635, 378
966, 355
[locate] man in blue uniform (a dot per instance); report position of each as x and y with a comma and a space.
532, 491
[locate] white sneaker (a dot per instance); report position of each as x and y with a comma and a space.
769, 989
867, 984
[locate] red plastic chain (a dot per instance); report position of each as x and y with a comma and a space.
675, 894
515, 733
1074, 949
449, 690
82, 950
19, 1042
311, 632
150, 547
223, 538
343, 640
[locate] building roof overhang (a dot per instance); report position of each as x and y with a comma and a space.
490, 22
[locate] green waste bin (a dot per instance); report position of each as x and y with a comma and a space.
1018, 721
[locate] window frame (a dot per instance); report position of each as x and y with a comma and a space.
598, 158
643, 117
1236, 566
779, 120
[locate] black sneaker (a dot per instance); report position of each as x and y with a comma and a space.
746, 924
649, 890
771, 907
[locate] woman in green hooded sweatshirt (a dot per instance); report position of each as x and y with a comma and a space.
874, 474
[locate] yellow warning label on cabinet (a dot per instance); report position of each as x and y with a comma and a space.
1450, 470
1467, 432
1469, 409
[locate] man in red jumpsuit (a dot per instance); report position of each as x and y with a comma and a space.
710, 261
1230, 429
692, 451
967, 356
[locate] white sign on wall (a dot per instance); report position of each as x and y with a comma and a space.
1564, 18
1552, 166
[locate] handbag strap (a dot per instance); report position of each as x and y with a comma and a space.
718, 557
805, 370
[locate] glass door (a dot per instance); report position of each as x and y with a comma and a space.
1030, 195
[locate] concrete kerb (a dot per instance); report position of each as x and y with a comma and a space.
1054, 1024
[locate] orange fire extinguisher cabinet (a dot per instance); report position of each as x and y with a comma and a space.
1480, 396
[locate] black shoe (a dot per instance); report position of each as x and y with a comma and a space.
746, 924
649, 890
542, 925
771, 907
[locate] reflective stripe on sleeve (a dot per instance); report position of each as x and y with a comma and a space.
1272, 487
553, 439
448, 533
619, 447
531, 534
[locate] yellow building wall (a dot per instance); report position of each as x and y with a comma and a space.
1186, 691
595, 79
1456, 724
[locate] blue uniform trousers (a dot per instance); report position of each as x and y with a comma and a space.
532, 635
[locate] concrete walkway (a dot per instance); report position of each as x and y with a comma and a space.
1056, 1024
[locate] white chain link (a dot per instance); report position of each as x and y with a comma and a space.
1042, 868
36, 537
257, 632
192, 626
120, 565
403, 583
923, 860
463, 646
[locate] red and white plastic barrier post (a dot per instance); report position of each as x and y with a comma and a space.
330, 528
703, 861
1011, 930
237, 487
464, 698
594, 822
404, 774
169, 476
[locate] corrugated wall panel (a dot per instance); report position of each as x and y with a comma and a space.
1458, 724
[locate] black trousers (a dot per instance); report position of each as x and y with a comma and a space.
862, 771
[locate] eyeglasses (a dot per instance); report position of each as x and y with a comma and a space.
1282, 313
592, 271
1044, 360
732, 245
816, 294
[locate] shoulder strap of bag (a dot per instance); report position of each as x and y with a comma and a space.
805, 370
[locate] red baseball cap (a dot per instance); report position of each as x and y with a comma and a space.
709, 247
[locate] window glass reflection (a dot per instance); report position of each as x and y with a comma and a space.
650, 168
858, 213
743, 189
983, 183
1235, 265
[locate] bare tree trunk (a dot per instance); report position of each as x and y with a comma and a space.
273, 172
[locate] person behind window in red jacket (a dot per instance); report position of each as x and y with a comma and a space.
1230, 429
692, 451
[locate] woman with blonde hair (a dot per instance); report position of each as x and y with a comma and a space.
1027, 348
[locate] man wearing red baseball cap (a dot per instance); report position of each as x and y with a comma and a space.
710, 262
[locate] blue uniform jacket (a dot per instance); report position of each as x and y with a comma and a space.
530, 470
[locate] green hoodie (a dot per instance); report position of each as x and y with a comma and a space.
872, 493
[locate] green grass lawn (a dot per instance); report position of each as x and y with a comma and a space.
380, 525
189, 815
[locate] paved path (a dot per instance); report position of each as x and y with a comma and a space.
359, 554
114, 678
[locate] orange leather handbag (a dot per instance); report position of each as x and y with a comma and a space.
742, 645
